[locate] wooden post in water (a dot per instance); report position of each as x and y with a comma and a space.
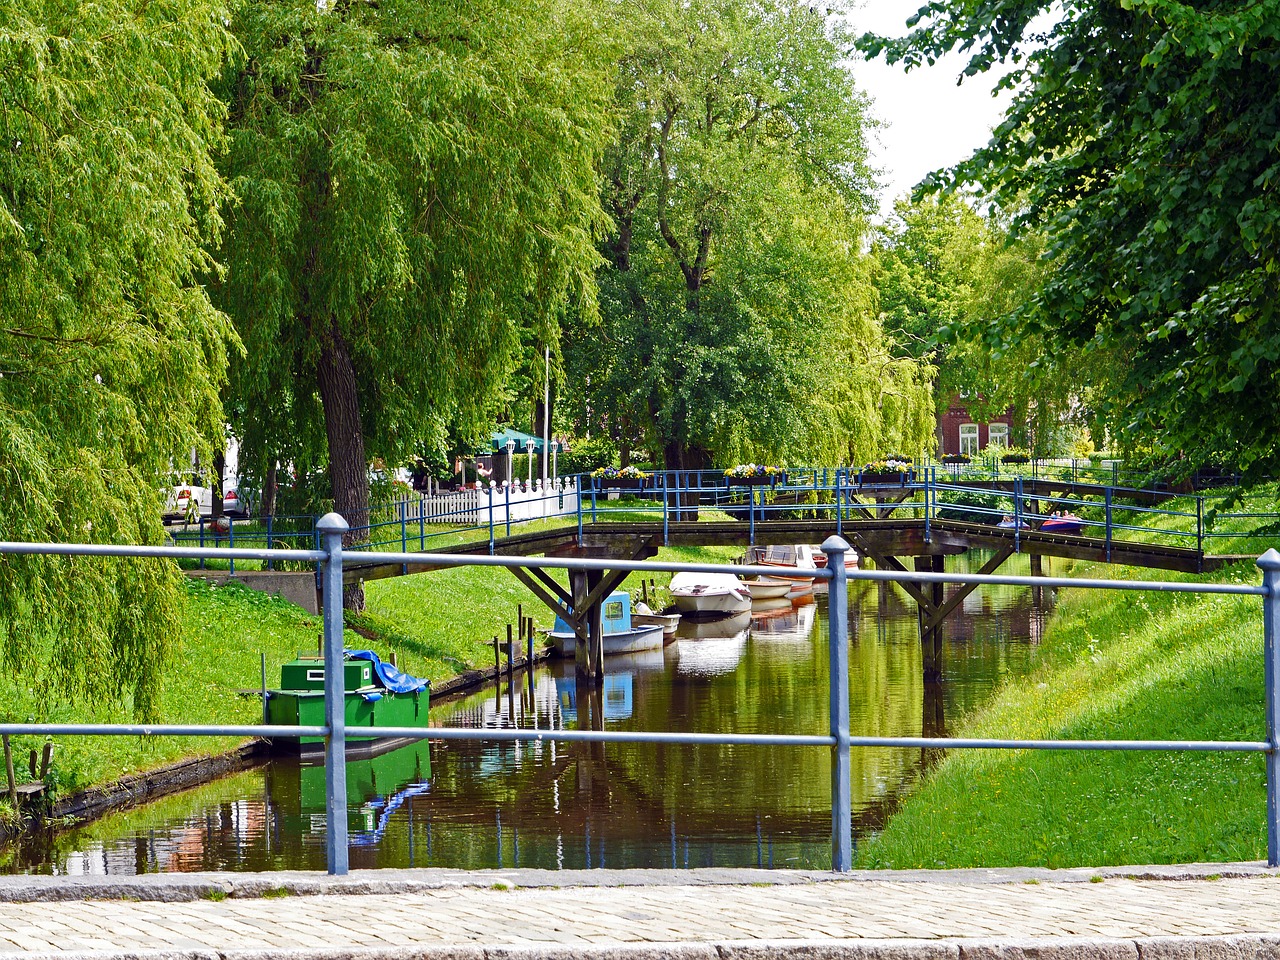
578, 590
8, 772
510, 655
595, 630
497, 660
930, 638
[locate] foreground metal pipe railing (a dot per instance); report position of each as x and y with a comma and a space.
332, 557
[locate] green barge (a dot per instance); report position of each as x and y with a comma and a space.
376, 694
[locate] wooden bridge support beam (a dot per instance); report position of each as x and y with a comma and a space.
931, 628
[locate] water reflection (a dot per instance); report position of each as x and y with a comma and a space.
547, 804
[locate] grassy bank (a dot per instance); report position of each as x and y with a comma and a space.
443, 623
1115, 666
226, 632
439, 624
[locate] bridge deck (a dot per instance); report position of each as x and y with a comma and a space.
897, 537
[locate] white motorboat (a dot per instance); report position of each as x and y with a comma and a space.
794, 562
768, 588
850, 558
642, 616
620, 634
709, 593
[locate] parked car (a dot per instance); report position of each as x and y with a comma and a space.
233, 505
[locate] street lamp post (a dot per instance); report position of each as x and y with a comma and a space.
528, 446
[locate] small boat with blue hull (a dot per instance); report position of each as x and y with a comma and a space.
620, 634
376, 694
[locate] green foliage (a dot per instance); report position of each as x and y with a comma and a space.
585, 455
942, 273
736, 313
416, 184
110, 353
1153, 176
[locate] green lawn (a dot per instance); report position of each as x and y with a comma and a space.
1113, 666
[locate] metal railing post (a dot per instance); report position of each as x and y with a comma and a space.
492, 538
404, 533
751, 514
666, 509
841, 764
1108, 494
507, 487
332, 526
1200, 527
1269, 562
927, 512
841, 473
1017, 514
231, 542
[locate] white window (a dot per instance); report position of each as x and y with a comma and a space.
969, 438
998, 434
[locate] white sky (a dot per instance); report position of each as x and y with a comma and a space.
929, 122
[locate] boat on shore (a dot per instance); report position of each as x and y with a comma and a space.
376, 695
621, 634
711, 594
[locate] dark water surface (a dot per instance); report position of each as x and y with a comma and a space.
476, 805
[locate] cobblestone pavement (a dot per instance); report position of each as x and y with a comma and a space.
670, 913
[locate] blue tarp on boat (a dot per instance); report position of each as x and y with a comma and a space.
389, 676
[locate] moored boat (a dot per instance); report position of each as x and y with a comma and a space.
621, 634
709, 593
376, 695
642, 616
795, 562
768, 588
820, 558
1062, 523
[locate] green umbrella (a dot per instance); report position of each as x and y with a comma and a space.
500, 437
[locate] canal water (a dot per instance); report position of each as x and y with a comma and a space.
485, 805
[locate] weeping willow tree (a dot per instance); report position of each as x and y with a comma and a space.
736, 317
416, 186
110, 354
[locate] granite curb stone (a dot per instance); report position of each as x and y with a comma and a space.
184, 887
1238, 947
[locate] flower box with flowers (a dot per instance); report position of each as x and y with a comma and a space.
754, 475
615, 478
892, 470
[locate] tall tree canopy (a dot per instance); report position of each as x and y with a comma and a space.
110, 354
1144, 141
736, 309
943, 271
416, 182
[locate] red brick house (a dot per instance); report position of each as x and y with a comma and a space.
959, 432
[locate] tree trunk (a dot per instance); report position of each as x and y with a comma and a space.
267, 508
219, 468
348, 471
680, 457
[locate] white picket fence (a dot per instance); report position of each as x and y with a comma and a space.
524, 501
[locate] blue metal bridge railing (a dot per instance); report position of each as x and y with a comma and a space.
331, 557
